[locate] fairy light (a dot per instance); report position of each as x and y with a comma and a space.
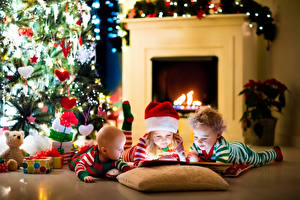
41, 105
96, 4
95, 19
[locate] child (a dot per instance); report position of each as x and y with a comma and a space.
161, 140
101, 158
210, 145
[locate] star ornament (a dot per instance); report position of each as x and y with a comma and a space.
33, 59
31, 119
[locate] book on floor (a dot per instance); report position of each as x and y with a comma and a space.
217, 167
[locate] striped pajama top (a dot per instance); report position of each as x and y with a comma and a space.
234, 152
91, 165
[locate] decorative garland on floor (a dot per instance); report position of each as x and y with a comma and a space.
261, 15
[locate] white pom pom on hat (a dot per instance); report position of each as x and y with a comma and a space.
161, 117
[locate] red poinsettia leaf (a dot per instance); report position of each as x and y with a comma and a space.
68, 103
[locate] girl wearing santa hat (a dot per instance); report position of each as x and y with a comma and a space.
161, 141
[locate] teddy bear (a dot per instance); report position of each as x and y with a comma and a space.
14, 155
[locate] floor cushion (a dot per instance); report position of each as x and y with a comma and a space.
172, 178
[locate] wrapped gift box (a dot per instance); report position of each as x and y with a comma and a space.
67, 146
37, 166
67, 157
57, 162
3, 166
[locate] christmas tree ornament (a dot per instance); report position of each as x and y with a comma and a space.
66, 48
26, 71
84, 55
68, 103
60, 128
62, 74
79, 22
33, 59
44, 109
101, 112
80, 40
31, 119
68, 118
86, 129
25, 32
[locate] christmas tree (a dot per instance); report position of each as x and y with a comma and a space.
48, 65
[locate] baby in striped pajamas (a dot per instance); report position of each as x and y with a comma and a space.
98, 160
210, 145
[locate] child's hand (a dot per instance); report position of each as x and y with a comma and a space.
180, 147
89, 179
193, 158
113, 173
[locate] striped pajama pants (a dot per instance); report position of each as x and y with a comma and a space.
240, 153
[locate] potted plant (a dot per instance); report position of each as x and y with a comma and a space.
262, 99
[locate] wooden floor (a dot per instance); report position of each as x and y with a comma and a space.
271, 182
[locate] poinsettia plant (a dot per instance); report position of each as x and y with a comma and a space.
261, 99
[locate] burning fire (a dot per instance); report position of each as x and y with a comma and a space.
190, 104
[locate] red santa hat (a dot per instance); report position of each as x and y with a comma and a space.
161, 117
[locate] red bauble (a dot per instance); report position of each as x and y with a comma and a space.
62, 74
68, 103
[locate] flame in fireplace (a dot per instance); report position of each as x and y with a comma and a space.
187, 101
180, 100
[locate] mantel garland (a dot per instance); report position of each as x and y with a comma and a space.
258, 14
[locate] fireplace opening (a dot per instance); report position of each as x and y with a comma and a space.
176, 77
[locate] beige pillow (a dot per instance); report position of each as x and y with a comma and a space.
172, 178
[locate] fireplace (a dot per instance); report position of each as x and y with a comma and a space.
224, 41
174, 77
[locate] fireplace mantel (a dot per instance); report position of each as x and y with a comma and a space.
226, 36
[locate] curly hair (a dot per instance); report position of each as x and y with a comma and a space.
207, 116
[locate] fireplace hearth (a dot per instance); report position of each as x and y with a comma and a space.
176, 77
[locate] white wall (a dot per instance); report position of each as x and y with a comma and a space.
282, 63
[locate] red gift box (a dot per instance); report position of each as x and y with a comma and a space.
67, 157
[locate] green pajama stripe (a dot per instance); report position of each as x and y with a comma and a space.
237, 153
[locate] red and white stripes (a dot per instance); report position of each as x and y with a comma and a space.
87, 160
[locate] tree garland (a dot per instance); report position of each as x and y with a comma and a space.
257, 13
